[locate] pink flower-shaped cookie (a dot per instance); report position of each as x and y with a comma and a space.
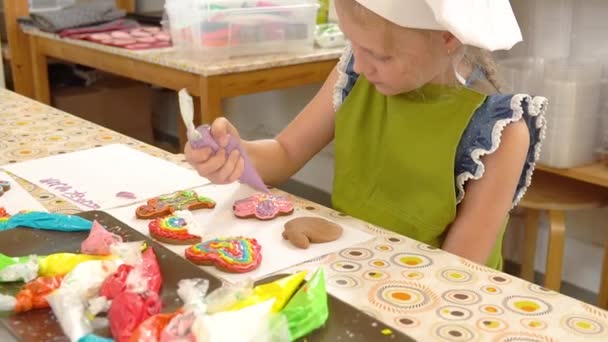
262, 206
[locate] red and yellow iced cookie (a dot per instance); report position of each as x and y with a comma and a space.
173, 230
234, 254
4, 215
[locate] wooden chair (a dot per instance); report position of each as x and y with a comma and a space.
557, 195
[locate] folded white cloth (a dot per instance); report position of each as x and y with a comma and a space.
487, 24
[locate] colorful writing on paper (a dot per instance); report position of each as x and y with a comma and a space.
70, 192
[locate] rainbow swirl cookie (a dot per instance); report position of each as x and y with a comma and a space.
234, 254
262, 206
173, 230
4, 187
4, 215
167, 204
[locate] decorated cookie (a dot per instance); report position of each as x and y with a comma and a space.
173, 230
234, 255
167, 204
4, 187
262, 206
4, 215
303, 231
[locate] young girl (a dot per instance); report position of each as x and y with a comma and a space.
416, 151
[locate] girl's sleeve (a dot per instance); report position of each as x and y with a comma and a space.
484, 132
347, 77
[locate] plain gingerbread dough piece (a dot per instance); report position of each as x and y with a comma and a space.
303, 231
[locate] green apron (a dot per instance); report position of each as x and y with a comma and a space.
395, 155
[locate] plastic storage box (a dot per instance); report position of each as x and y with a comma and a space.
573, 117
550, 32
523, 74
221, 29
49, 5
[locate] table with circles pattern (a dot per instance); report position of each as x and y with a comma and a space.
421, 291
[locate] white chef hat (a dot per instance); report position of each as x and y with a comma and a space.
487, 24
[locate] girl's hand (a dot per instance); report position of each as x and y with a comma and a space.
221, 168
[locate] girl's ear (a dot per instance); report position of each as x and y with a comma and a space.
450, 42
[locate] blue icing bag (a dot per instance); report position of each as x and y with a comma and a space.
47, 221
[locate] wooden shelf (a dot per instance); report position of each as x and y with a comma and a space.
596, 173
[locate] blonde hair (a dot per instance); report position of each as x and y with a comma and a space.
472, 57
477, 57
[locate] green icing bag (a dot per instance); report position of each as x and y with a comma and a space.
18, 268
5, 260
307, 310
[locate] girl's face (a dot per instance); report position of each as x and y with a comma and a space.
404, 60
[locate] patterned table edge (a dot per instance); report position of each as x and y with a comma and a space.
55, 203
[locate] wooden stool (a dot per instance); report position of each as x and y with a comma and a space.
557, 195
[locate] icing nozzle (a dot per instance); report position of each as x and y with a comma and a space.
186, 108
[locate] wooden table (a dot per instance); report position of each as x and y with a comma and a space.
18, 42
595, 173
422, 291
210, 83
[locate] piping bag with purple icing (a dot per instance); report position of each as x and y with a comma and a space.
201, 137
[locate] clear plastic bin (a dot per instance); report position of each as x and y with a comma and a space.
572, 87
603, 140
221, 29
551, 27
523, 74
49, 5
573, 117
589, 38
570, 142
603, 135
